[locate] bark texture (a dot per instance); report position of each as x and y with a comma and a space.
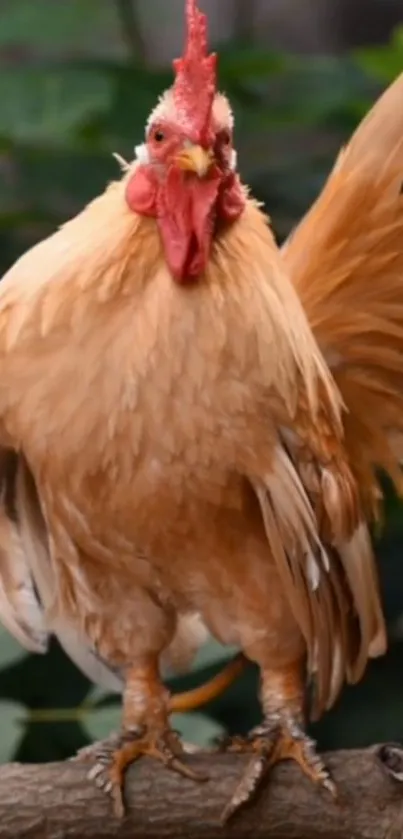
55, 801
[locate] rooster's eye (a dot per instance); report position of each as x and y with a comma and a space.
159, 135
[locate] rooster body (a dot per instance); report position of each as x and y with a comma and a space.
146, 492
193, 437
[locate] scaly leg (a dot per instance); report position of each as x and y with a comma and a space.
281, 736
145, 731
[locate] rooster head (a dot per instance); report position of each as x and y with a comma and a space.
186, 174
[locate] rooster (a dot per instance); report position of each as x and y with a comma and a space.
190, 421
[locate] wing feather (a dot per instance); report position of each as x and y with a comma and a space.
327, 567
21, 610
26, 578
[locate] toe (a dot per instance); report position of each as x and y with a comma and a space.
186, 771
99, 774
112, 757
303, 750
265, 755
271, 743
246, 789
97, 751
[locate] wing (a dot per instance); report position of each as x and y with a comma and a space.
42, 300
320, 542
21, 610
26, 576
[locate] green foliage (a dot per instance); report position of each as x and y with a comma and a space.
51, 107
73, 90
83, 26
383, 62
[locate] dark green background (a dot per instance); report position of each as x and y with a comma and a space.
63, 111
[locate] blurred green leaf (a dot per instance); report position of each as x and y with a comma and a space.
50, 105
384, 62
10, 650
210, 653
99, 723
242, 63
63, 179
12, 715
97, 695
324, 90
197, 728
81, 25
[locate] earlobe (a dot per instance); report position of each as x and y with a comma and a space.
142, 154
141, 192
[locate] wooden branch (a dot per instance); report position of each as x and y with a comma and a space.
55, 801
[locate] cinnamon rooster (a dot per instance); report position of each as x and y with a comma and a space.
176, 449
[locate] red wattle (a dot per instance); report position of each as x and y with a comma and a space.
186, 209
231, 202
186, 221
142, 192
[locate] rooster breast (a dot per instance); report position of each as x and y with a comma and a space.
140, 427
157, 434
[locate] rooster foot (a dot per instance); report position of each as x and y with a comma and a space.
112, 757
280, 737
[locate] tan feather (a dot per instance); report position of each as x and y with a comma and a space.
346, 262
33, 542
21, 611
141, 461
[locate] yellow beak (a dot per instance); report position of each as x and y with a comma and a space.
195, 159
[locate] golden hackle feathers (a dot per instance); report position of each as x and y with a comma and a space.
101, 265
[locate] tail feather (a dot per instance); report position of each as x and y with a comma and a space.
346, 260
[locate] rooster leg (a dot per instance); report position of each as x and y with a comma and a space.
145, 732
281, 736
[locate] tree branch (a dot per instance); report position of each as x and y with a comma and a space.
50, 801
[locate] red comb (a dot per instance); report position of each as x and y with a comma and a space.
195, 83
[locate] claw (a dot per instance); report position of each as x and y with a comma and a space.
276, 740
95, 770
246, 788
112, 758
